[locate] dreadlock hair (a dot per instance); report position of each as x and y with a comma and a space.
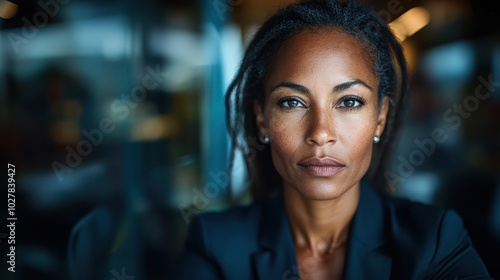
351, 17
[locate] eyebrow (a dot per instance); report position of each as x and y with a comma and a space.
338, 88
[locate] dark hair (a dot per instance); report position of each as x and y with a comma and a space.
353, 18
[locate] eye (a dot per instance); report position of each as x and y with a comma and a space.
290, 102
351, 102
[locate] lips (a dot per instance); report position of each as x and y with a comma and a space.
321, 167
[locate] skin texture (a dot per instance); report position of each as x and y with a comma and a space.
321, 101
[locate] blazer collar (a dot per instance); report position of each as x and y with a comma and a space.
276, 259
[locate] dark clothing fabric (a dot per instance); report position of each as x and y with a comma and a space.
390, 238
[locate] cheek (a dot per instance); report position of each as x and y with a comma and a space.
356, 136
279, 122
287, 136
285, 132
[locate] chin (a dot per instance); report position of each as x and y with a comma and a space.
321, 191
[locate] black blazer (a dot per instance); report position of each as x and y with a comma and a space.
390, 238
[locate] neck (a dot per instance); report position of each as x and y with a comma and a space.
320, 226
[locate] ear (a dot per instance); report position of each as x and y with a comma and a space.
260, 120
382, 116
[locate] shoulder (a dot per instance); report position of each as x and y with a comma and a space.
431, 239
236, 226
409, 215
217, 241
232, 219
401, 219
425, 224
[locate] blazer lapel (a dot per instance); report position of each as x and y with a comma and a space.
276, 259
367, 256
365, 263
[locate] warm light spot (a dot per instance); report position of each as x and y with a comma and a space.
65, 132
154, 128
7, 9
399, 30
410, 22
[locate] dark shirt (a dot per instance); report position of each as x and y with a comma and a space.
390, 238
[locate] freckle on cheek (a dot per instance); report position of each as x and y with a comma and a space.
277, 125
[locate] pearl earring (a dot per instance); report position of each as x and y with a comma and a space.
376, 139
264, 139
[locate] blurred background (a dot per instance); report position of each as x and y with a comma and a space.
112, 113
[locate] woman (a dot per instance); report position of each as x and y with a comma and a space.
322, 85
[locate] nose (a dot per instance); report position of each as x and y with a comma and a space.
321, 128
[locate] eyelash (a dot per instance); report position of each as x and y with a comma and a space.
280, 102
355, 98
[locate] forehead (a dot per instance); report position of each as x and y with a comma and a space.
326, 50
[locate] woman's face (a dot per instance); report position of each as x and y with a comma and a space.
321, 112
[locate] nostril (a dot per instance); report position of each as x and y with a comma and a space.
321, 138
